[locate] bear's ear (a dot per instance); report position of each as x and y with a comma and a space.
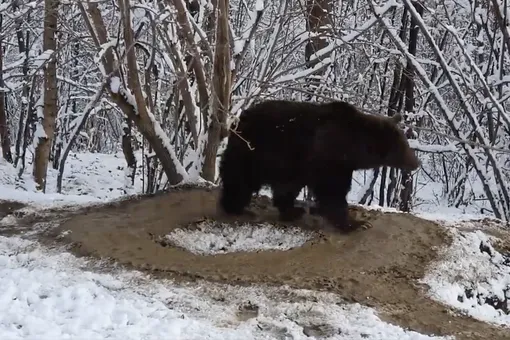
397, 118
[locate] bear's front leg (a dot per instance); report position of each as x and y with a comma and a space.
235, 197
341, 218
291, 214
336, 212
359, 224
330, 186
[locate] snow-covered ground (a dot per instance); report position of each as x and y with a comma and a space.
88, 178
470, 274
51, 294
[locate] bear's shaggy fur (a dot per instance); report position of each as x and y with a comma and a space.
288, 145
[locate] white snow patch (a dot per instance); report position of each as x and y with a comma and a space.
115, 84
130, 98
221, 238
8, 221
238, 46
435, 148
88, 178
259, 5
47, 295
449, 216
465, 268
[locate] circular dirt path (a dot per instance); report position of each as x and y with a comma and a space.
377, 267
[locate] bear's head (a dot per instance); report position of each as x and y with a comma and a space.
396, 151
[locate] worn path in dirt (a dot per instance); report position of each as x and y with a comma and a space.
376, 267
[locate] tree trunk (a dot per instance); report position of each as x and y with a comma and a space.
395, 97
317, 21
220, 93
25, 104
46, 129
407, 179
134, 108
78, 127
127, 149
5, 137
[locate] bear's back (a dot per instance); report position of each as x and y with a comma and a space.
278, 119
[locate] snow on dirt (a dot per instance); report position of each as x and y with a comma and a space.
46, 294
473, 277
219, 238
49, 294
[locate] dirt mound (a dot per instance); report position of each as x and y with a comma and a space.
376, 267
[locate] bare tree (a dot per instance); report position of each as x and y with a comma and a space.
318, 23
46, 123
221, 91
5, 138
177, 73
129, 96
406, 190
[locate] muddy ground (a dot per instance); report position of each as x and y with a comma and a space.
377, 267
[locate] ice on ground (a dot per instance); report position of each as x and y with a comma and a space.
212, 238
46, 294
472, 277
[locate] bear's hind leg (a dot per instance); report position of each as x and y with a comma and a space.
284, 196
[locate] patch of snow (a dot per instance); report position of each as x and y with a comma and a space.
46, 295
435, 148
115, 84
139, 13
429, 201
130, 98
221, 238
160, 133
470, 272
449, 216
39, 132
42, 58
8, 221
238, 46
88, 178
259, 5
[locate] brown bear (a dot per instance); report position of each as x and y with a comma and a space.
288, 145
